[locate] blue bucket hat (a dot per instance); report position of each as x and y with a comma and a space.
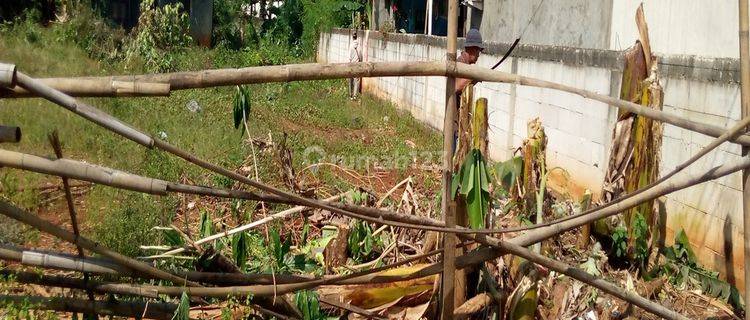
473, 39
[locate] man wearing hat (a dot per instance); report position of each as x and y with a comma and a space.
472, 48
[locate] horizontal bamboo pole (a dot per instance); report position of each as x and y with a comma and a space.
78, 87
131, 309
61, 261
82, 109
104, 119
10, 134
314, 71
82, 171
7, 75
32, 220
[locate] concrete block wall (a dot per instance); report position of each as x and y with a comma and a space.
579, 130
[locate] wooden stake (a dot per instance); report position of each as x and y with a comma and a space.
745, 103
448, 206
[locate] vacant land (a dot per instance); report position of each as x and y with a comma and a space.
311, 114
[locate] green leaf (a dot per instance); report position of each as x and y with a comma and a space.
455, 182
183, 309
206, 225
477, 196
467, 180
308, 304
173, 238
240, 249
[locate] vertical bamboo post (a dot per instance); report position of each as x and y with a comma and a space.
745, 103
448, 205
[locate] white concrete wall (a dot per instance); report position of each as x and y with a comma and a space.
710, 213
695, 27
579, 130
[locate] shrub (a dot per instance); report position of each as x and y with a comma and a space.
161, 32
99, 38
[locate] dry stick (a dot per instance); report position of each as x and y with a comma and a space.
150, 310
276, 216
314, 71
17, 214
75, 283
54, 140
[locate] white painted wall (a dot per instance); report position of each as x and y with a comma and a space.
579, 130
695, 27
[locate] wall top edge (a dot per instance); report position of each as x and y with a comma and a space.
671, 66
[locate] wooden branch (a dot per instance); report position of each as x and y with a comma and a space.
149, 310
75, 283
32, 220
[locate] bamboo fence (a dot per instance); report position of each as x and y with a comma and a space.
62, 90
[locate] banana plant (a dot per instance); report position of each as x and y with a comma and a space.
472, 179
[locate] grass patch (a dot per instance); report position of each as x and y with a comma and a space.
315, 113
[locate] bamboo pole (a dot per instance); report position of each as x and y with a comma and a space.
61, 261
131, 309
7, 75
77, 87
299, 72
448, 206
374, 213
10, 134
75, 283
745, 105
44, 226
82, 171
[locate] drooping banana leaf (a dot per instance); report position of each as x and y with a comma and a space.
473, 181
